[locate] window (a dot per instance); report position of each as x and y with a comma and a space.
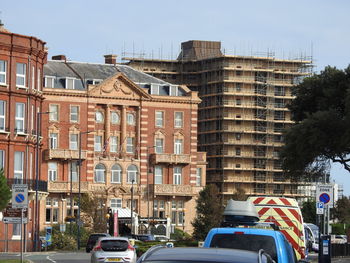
132, 174
238, 136
73, 141
174, 90
130, 144
100, 172
130, 118
159, 145
20, 117
238, 151
116, 203
3, 66
2, 115
199, 177
238, 86
50, 81
154, 89
53, 140
115, 119
177, 174
181, 217
39, 79
74, 113
158, 174
16, 231
178, 146
2, 159
113, 144
69, 83
99, 116
32, 118
159, 118
116, 174
52, 166
73, 172
98, 143
53, 115
18, 170
238, 102
178, 120
21, 75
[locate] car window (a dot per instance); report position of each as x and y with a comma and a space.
114, 245
290, 252
94, 238
246, 242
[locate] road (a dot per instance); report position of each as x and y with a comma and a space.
51, 257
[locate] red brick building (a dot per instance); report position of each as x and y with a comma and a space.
136, 123
21, 71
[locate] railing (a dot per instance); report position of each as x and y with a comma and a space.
66, 186
63, 154
42, 185
171, 189
170, 158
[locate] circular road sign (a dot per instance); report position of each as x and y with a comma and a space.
325, 198
19, 198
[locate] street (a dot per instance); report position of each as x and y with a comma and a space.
50, 257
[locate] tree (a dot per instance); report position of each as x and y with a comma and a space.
209, 212
342, 210
308, 211
5, 191
239, 195
321, 111
95, 210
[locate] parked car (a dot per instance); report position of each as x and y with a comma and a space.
339, 239
162, 238
113, 249
145, 237
93, 239
204, 255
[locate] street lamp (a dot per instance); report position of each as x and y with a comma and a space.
79, 192
36, 221
132, 204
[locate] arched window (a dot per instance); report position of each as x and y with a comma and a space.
116, 174
132, 173
100, 173
98, 116
115, 119
130, 118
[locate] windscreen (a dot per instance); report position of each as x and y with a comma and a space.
246, 242
114, 245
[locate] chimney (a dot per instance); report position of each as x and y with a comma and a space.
110, 59
59, 57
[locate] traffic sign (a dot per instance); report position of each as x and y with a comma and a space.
319, 208
324, 194
19, 196
15, 220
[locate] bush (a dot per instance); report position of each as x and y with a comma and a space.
180, 235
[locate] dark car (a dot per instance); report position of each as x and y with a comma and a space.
93, 239
146, 237
199, 255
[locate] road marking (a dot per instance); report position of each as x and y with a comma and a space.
48, 257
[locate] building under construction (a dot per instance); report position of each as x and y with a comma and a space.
242, 114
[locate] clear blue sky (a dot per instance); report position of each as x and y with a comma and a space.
85, 30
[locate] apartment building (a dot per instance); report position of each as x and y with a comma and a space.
21, 68
130, 130
242, 114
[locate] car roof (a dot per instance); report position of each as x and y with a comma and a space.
114, 238
251, 231
202, 254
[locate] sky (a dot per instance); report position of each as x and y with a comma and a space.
85, 30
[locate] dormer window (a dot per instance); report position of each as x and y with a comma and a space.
174, 91
50, 81
155, 89
93, 81
69, 83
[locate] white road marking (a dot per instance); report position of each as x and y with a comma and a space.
48, 257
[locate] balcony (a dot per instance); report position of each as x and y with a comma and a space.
42, 185
59, 187
63, 154
173, 190
170, 158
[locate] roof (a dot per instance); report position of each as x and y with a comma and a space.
123, 212
89, 71
187, 254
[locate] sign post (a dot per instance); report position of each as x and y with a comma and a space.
319, 208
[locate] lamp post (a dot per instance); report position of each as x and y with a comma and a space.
132, 204
79, 190
37, 223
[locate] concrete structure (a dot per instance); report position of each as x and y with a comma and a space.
21, 66
242, 114
140, 128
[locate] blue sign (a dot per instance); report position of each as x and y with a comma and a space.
325, 198
20, 198
319, 205
48, 235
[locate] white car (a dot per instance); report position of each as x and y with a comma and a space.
113, 249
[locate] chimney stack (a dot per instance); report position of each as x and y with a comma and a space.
59, 57
110, 59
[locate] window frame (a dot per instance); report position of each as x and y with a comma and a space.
73, 142
66, 83
53, 112
52, 171
132, 173
130, 117
159, 148
53, 140
99, 117
178, 146
158, 174
3, 116
159, 119
3, 73
115, 120
51, 80
71, 113
17, 172
113, 140
178, 122
99, 172
98, 143
116, 174
130, 145
177, 174
20, 119
21, 76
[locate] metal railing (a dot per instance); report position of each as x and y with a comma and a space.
42, 185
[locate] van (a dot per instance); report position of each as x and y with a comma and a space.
241, 229
286, 214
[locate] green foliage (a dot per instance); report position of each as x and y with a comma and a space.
5, 191
342, 210
308, 211
94, 207
180, 235
209, 212
239, 195
321, 134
